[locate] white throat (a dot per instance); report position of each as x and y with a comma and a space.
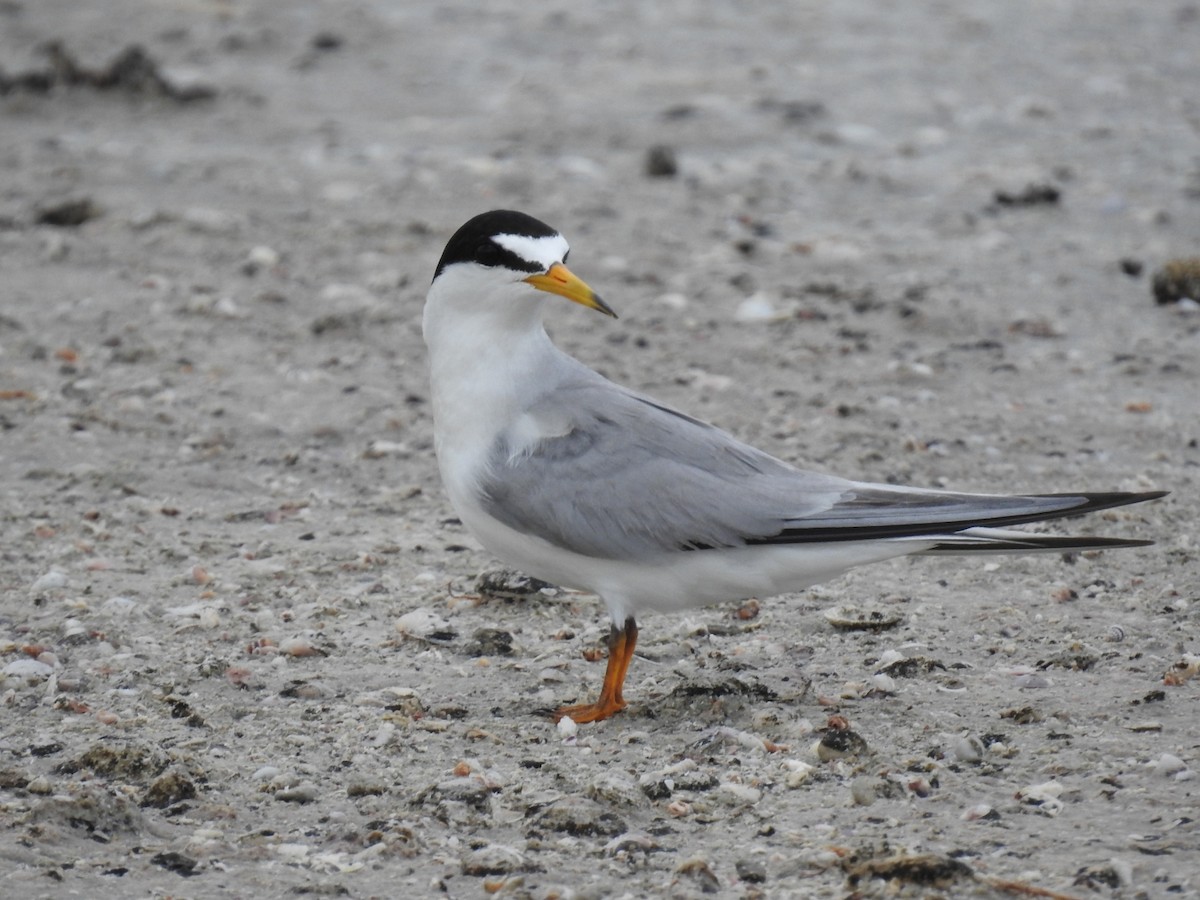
486, 345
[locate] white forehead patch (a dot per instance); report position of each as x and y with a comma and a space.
543, 251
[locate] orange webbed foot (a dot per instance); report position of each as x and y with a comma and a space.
590, 712
621, 642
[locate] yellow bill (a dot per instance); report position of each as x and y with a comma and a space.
562, 281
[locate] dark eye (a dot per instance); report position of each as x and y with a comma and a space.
565, 255
487, 254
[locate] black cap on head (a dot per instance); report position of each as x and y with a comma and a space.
473, 241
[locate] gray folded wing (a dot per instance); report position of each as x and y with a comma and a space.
626, 478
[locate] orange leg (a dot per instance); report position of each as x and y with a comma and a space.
621, 642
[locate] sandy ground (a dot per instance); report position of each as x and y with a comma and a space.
895, 241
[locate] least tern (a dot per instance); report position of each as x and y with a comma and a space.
586, 484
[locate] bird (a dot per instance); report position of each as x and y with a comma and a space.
589, 485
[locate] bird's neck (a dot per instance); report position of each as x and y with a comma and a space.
482, 363
482, 372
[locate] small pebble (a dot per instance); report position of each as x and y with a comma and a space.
909, 667
888, 657
1032, 195
854, 690
69, 213
738, 794
489, 642
615, 788
380, 449
1123, 870
1130, 266
977, 812
227, 308
685, 775
1178, 279
661, 162
118, 606
29, 669
840, 744
74, 632
401, 699
1168, 765
883, 684
305, 792
1101, 875
798, 772
630, 840
919, 786
293, 852
168, 790
698, 870
744, 739
965, 748
1032, 682
567, 728
579, 817
1044, 796
862, 791
756, 308
300, 646
493, 859
751, 871
260, 257
509, 584
52, 580
1183, 671
303, 690
857, 618
425, 623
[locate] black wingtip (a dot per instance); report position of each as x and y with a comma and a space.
1093, 502
1033, 544
1066, 506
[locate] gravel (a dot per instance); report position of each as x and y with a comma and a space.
245, 645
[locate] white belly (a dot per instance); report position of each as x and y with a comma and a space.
682, 579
